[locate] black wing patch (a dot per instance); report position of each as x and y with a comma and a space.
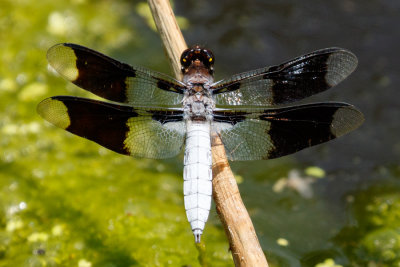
113, 80
273, 133
123, 129
291, 81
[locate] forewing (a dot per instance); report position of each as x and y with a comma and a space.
113, 80
275, 133
123, 129
291, 81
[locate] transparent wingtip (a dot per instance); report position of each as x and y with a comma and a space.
197, 235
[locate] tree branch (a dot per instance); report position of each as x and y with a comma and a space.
169, 31
239, 229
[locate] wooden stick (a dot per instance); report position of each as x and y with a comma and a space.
170, 33
243, 241
246, 249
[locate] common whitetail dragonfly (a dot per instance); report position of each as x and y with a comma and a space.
156, 115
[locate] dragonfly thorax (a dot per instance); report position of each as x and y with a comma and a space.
198, 106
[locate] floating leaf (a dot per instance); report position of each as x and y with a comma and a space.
315, 171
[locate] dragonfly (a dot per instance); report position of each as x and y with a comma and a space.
152, 115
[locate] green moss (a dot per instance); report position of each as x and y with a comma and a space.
383, 244
375, 237
65, 201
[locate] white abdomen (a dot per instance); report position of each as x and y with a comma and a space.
197, 175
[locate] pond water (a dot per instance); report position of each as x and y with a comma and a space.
65, 201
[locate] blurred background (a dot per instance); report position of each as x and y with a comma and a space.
65, 201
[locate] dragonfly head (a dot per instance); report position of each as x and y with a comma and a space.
197, 57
